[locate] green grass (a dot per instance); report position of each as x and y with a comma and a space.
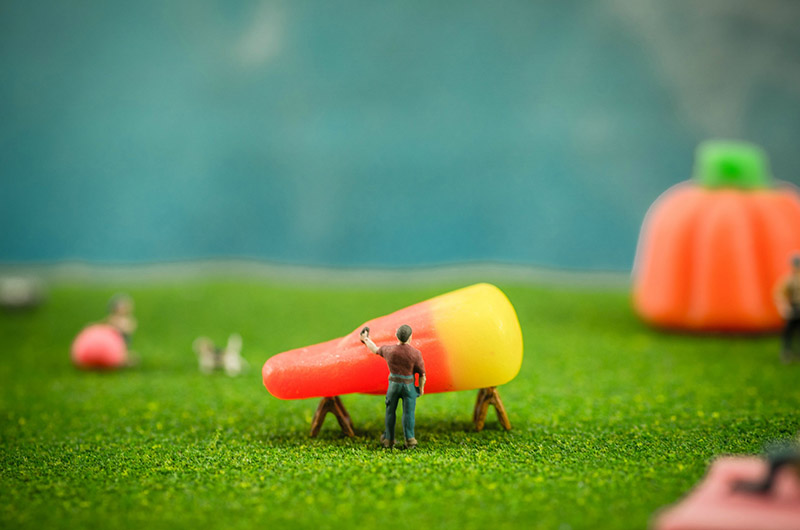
611, 419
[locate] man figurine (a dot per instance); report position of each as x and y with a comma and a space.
788, 302
404, 361
120, 316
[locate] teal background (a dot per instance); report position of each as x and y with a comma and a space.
374, 134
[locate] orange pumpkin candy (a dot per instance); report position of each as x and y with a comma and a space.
711, 250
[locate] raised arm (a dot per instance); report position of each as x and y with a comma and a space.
368, 341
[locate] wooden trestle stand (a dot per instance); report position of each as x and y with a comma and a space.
486, 397
334, 406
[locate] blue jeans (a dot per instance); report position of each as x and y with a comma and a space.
408, 394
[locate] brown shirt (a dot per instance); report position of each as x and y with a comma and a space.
403, 359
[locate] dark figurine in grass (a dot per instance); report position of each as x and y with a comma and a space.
788, 301
404, 361
780, 457
120, 316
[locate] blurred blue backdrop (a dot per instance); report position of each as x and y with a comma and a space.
374, 133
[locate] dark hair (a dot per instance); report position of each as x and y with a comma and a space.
117, 300
404, 333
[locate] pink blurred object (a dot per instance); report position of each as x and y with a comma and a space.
714, 505
99, 346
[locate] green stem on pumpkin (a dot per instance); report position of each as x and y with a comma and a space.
727, 164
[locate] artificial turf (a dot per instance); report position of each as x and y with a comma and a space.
612, 419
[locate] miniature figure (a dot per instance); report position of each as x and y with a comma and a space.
120, 316
784, 456
404, 361
106, 345
787, 298
735, 496
210, 357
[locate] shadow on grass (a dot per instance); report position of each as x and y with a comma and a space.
370, 432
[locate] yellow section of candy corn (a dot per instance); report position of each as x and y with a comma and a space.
481, 334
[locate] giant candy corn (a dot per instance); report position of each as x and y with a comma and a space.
469, 338
99, 346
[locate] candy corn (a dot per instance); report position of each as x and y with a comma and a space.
469, 339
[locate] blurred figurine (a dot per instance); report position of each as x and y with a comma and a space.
786, 456
741, 493
106, 346
210, 357
788, 301
120, 316
404, 361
